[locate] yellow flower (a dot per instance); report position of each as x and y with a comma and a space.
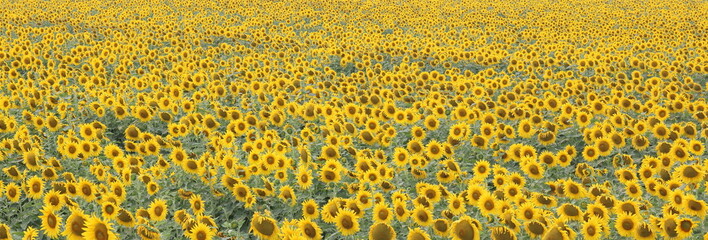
5, 232
50, 223
626, 224
158, 210
86, 189
465, 228
201, 231
30, 234
197, 204
98, 229
109, 210
13, 192
309, 229
431, 122
53, 200
381, 231
35, 187
125, 218
304, 178
592, 228
32, 160
74, 227
264, 227
347, 222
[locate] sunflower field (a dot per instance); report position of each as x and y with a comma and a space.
356, 119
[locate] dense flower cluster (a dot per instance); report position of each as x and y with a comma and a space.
421, 119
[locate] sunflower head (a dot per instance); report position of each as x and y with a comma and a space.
99, 229
465, 228
264, 227
382, 231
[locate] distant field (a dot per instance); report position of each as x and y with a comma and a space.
374, 119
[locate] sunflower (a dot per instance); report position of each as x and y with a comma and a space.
417, 234
456, 204
533, 169
488, 205
669, 226
459, 131
626, 224
330, 153
330, 175
158, 210
147, 234
633, 189
528, 212
689, 173
475, 193
142, 113
431, 192
570, 212
481, 169
591, 152
678, 152
592, 228
192, 166
546, 138
556, 232
347, 222
400, 210
287, 194
118, 190
30, 234
382, 213
640, 142
684, 227
53, 200
441, 227
5, 232
431, 122
696, 147
109, 210
304, 178
125, 218
310, 209
50, 223
201, 231
97, 229
695, 206
574, 190
503, 233
535, 228
418, 133
88, 132
400, 156
548, 158
87, 190
644, 232
465, 228
512, 192
309, 229
604, 146
422, 216
13, 192
661, 131
35, 187
32, 160
526, 129
264, 227
434, 150
74, 227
